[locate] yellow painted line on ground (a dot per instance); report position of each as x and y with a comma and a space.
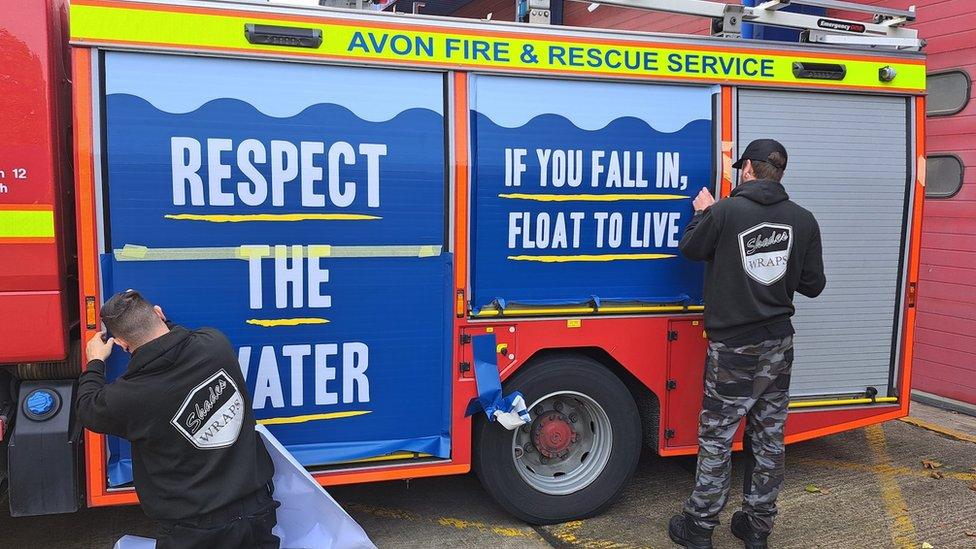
504, 531
590, 197
311, 417
877, 469
499, 530
903, 533
272, 322
588, 257
566, 534
951, 433
243, 218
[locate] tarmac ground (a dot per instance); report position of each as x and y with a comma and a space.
860, 489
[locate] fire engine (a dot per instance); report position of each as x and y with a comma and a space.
390, 214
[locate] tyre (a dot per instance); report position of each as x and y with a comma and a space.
578, 452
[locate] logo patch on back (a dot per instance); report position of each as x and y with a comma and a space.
765, 251
212, 414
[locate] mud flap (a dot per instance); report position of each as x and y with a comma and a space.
43, 453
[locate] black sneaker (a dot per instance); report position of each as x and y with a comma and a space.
686, 533
742, 529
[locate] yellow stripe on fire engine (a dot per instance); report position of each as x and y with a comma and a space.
100, 22
26, 224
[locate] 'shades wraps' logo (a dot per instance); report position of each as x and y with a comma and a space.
765, 251
212, 414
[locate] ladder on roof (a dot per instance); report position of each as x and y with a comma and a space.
885, 30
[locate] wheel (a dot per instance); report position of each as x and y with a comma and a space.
578, 452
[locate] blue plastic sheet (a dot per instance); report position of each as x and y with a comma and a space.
490, 398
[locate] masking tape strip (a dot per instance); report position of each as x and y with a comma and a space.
134, 252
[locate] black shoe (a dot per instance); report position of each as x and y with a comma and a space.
686, 533
742, 529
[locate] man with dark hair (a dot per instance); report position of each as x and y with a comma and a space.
760, 248
200, 469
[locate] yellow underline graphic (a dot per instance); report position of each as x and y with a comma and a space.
311, 417
271, 322
242, 218
590, 197
587, 257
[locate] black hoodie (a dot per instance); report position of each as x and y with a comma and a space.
183, 405
760, 248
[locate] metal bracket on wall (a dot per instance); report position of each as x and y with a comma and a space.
533, 11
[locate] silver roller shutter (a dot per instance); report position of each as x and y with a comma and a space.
848, 164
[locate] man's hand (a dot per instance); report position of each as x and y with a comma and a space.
99, 348
703, 200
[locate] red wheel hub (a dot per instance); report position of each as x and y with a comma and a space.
552, 434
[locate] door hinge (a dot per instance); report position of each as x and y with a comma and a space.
465, 339
672, 335
672, 384
464, 367
669, 433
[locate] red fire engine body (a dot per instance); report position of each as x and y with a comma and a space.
54, 223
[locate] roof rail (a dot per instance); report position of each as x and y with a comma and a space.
885, 30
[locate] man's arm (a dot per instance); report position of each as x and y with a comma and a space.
812, 277
97, 404
701, 234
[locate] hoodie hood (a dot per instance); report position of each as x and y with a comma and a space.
158, 353
762, 191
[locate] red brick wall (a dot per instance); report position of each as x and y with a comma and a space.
945, 351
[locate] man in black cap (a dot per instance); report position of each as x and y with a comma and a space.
760, 248
200, 469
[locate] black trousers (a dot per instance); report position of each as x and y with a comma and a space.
245, 523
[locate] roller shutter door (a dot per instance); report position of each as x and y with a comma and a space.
848, 164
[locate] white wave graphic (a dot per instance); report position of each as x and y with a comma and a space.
512, 102
182, 84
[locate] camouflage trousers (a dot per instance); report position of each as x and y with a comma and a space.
752, 381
